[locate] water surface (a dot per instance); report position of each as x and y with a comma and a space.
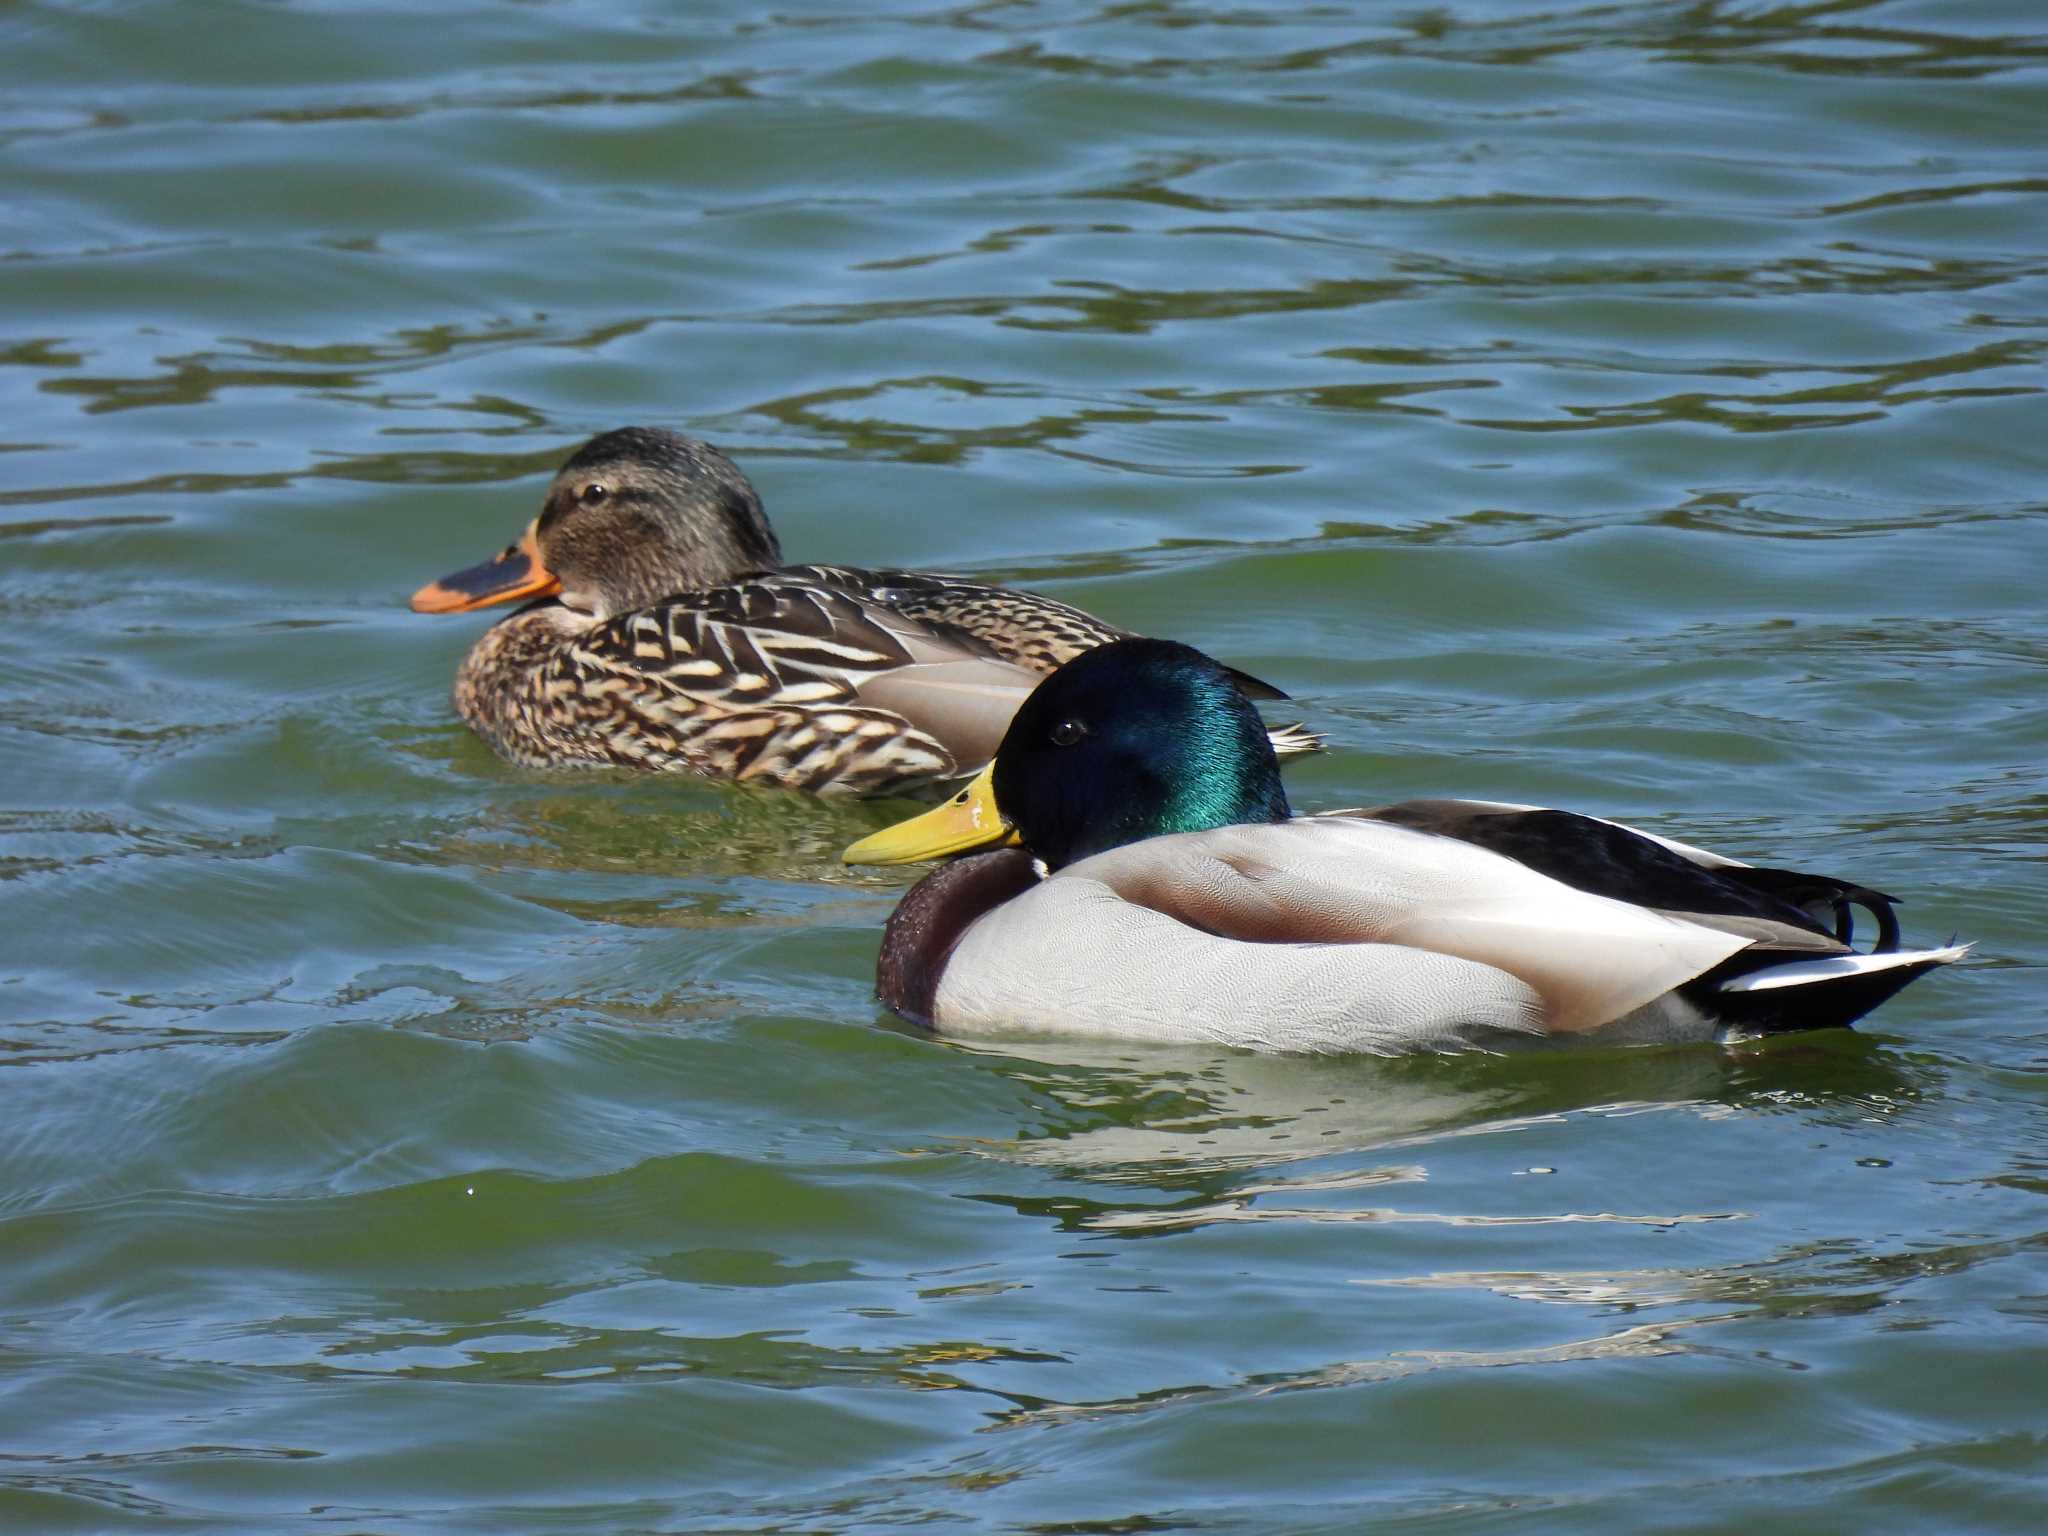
1632, 407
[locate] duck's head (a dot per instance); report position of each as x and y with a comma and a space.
1134, 739
635, 516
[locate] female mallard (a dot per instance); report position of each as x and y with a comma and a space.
1163, 891
666, 634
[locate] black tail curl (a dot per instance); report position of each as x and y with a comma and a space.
1831, 904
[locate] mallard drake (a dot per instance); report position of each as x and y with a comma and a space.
1148, 881
664, 632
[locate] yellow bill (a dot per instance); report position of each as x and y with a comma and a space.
968, 821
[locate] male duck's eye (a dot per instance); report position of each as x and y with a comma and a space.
594, 492
1067, 732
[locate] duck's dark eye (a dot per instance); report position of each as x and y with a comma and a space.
593, 493
1067, 732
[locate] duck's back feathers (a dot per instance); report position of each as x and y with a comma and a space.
1609, 859
781, 679
1028, 628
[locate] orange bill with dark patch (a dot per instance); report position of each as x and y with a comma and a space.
517, 572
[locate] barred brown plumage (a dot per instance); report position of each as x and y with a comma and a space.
665, 636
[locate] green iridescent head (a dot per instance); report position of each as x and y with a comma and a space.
1134, 739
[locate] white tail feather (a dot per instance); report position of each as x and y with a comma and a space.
1293, 740
1800, 973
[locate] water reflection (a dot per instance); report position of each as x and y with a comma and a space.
1191, 1122
531, 1351
671, 829
1839, 1277
1644, 1341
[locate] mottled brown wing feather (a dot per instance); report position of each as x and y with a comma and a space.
783, 680
752, 643
1024, 627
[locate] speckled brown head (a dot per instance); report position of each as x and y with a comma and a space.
635, 516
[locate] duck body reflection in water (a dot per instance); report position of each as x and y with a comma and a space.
1157, 886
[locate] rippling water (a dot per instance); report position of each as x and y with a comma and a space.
1636, 407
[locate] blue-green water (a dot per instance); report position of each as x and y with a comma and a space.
1634, 407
